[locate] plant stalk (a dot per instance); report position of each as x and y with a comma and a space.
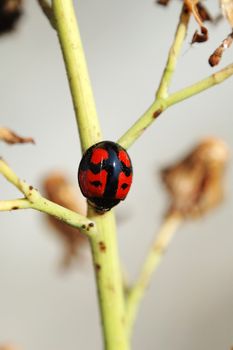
151, 263
109, 281
77, 72
173, 54
104, 245
160, 105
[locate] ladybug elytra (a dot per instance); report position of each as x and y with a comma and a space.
105, 175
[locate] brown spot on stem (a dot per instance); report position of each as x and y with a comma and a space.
84, 227
30, 188
91, 224
97, 267
159, 248
15, 208
157, 113
102, 246
111, 288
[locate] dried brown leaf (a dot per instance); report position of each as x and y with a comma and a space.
11, 137
195, 183
59, 190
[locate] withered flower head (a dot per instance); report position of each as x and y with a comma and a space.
195, 183
58, 189
10, 12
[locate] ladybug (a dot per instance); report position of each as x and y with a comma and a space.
105, 175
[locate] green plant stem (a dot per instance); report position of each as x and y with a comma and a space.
109, 281
104, 245
19, 203
201, 85
173, 54
160, 105
34, 200
80, 86
151, 263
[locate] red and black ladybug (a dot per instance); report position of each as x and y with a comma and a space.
105, 175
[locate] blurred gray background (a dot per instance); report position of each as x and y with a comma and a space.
190, 302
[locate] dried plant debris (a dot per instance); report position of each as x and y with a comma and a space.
10, 12
59, 190
195, 183
204, 13
163, 2
227, 11
200, 8
11, 137
200, 13
216, 56
202, 36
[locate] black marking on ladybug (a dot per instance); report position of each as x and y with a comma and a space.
124, 186
96, 183
105, 175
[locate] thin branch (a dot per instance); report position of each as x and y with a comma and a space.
160, 105
77, 72
14, 204
34, 200
201, 85
173, 54
151, 263
48, 11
